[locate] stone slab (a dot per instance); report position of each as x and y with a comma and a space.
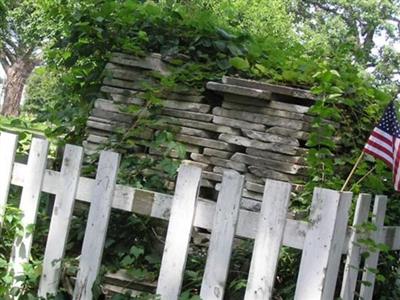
187, 115
207, 143
151, 62
270, 138
203, 125
225, 163
276, 156
238, 90
246, 142
267, 111
237, 123
217, 153
301, 135
278, 89
195, 132
260, 118
269, 163
272, 174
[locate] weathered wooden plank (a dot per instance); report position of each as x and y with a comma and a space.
8, 147
179, 231
239, 90
278, 89
323, 245
60, 220
222, 236
29, 205
101, 197
158, 205
353, 258
371, 263
270, 230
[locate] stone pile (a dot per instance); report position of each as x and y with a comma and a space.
255, 128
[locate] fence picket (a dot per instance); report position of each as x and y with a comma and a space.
29, 204
8, 146
179, 232
97, 224
354, 250
366, 292
323, 245
268, 241
60, 220
222, 236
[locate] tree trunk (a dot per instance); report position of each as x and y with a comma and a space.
17, 74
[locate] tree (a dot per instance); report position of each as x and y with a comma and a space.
21, 36
354, 26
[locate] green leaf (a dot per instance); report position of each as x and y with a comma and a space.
239, 63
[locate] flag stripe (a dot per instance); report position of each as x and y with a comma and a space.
379, 155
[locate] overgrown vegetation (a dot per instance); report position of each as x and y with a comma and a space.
205, 40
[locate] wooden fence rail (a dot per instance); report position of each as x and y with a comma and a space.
323, 239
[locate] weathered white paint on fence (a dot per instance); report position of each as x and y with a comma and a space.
222, 236
354, 250
158, 205
270, 229
366, 292
323, 245
29, 204
179, 231
60, 220
8, 146
97, 224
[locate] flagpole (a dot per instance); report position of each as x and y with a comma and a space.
352, 171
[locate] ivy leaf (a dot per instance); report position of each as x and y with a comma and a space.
239, 63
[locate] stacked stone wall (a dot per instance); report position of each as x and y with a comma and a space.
257, 129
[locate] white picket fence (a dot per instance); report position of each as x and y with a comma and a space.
323, 239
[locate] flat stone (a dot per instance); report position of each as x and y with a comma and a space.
271, 104
255, 187
95, 139
237, 123
206, 183
225, 163
217, 153
203, 125
114, 90
128, 74
207, 143
112, 116
267, 111
181, 97
140, 85
212, 176
269, 163
181, 105
278, 89
238, 90
269, 137
194, 132
127, 99
187, 115
252, 195
272, 174
107, 105
301, 135
196, 163
275, 156
151, 62
246, 142
261, 119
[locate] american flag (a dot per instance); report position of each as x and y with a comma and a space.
384, 142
